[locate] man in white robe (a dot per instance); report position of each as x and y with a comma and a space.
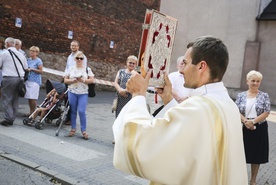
196, 142
179, 92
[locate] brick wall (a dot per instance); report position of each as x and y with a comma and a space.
94, 23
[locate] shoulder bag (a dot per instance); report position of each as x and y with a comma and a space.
91, 87
21, 88
26, 75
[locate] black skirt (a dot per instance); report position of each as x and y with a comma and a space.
256, 144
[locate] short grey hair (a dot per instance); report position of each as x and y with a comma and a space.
17, 41
254, 73
10, 40
180, 59
132, 57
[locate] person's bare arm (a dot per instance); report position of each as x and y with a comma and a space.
89, 80
121, 91
39, 70
67, 80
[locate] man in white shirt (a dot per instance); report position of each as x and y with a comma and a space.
153, 100
74, 46
11, 80
179, 92
198, 141
18, 45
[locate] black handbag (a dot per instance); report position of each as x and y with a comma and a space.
26, 75
21, 87
91, 88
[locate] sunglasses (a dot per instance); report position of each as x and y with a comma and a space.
132, 63
79, 58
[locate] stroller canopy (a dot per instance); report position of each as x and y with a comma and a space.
59, 86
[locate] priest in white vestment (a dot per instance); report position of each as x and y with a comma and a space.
196, 142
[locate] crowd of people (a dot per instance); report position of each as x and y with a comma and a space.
14, 62
193, 126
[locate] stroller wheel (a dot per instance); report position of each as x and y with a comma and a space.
48, 120
36, 125
39, 125
26, 120
58, 122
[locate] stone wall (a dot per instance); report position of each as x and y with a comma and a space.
94, 24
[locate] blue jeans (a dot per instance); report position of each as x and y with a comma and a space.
78, 104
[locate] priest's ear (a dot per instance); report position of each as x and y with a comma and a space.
202, 65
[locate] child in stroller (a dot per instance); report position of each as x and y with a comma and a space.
49, 102
51, 107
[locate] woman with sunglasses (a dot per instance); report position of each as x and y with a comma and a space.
78, 77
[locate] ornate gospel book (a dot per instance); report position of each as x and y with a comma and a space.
156, 46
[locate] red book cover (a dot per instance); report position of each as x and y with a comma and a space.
156, 46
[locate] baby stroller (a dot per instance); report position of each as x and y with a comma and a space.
52, 106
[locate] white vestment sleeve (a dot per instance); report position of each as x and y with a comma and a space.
139, 102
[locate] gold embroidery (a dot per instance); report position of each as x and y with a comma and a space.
219, 140
154, 183
130, 137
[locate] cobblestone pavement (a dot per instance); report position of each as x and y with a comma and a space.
14, 174
73, 160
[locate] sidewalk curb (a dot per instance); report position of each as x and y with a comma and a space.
63, 179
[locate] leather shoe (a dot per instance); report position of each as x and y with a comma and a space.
68, 122
6, 123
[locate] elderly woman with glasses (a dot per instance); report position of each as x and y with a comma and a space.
78, 77
120, 83
35, 68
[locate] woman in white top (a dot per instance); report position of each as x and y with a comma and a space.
78, 77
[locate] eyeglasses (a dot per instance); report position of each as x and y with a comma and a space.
33, 50
79, 58
132, 63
